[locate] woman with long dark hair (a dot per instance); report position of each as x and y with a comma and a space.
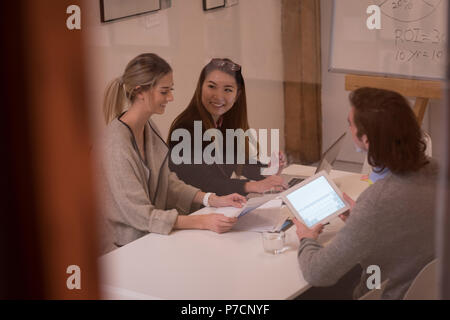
220, 102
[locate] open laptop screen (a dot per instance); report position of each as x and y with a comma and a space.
330, 156
327, 160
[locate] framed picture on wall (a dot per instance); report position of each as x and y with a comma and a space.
213, 4
111, 10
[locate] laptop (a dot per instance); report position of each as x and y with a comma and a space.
326, 162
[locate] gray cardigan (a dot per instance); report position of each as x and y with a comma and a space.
391, 226
133, 206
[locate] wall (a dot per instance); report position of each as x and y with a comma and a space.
250, 34
335, 103
187, 37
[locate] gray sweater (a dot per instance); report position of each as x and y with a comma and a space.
391, 226
138, 197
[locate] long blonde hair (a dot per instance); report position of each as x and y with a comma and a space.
141, 74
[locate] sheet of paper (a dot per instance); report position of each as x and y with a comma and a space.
251, 204
299, 170
256, 202
227, 211
267, 217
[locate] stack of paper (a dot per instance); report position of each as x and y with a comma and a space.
254, 203
259, 214
268, 217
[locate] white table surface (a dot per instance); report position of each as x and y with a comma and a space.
204, 265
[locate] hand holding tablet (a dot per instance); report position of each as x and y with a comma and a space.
305, 232
316, 200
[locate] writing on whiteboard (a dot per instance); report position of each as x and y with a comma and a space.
408, 10
419, 43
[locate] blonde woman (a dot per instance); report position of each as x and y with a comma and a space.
140, 193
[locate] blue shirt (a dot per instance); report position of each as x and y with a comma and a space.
375, 176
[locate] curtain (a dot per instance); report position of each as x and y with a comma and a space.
302, 79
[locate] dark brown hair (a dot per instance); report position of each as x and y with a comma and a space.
235, 118
395, 138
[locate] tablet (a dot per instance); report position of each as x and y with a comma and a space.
315, 200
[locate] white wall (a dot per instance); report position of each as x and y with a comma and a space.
335, 104
187, 37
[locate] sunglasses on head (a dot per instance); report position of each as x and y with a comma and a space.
221, 63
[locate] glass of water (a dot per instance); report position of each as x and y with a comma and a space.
273, 242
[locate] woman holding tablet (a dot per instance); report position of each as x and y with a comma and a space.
140, 193
391, 225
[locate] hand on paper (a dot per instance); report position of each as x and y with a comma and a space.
281, 162
231, 200
217, 222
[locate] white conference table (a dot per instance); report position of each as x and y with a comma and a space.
204, 265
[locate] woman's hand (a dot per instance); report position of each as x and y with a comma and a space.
344, 216
217, 222
272, 183
282, 162
304, 232
231, 200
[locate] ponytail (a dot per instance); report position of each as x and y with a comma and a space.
141, 73
113, 102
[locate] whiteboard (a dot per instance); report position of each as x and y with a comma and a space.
411, 42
